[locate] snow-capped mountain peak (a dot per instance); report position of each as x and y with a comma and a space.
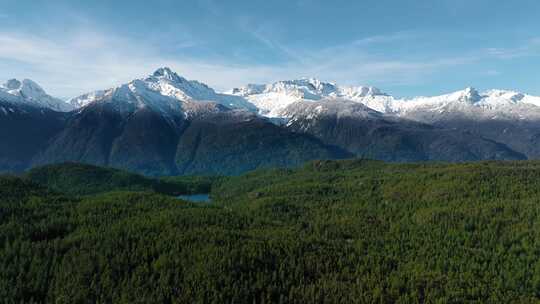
469, 95
167, 73
30, 93
271, 99
304, 88
357, 92
511, 96
27, 88
168, 83
469, 104
164, 83
13, 84
490, 97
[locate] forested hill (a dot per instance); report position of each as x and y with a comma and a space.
84, 179
330, 232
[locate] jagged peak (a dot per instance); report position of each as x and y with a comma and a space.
29, 92
13, 84
470, 91
469, 95
362, 91
315, 82
164, 72
162, 87
169, 74
26, 85
311, 83
506, 94
308, 88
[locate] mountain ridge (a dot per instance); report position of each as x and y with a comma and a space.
167, 83
164, 124
273, 98
154, 125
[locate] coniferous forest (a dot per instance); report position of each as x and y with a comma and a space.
354, 231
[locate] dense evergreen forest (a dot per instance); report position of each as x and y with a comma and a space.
83, 179
353, 231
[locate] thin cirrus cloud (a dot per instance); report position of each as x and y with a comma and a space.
90, 60
531, 47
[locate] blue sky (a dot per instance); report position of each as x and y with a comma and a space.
406, 48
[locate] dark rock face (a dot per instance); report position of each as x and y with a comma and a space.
517, 125
232, 143
140, 139
220, 141
24, 131
520, 136
87, 137
206, 138
147, 143
372, 135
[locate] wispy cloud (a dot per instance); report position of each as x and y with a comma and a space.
273, 44
380, 39
88, 60
356, 62
530, 47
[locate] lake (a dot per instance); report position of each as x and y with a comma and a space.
196, 198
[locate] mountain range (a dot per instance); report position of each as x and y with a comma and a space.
164, 124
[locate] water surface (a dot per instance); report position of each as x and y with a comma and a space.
196, 198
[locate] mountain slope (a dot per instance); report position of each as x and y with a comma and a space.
368, 133
29, 118
24, 131
504, 116
234, 142
156, 126
163, 124
507, 117
117, 132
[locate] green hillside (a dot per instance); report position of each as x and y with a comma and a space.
83, 179
330, 232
